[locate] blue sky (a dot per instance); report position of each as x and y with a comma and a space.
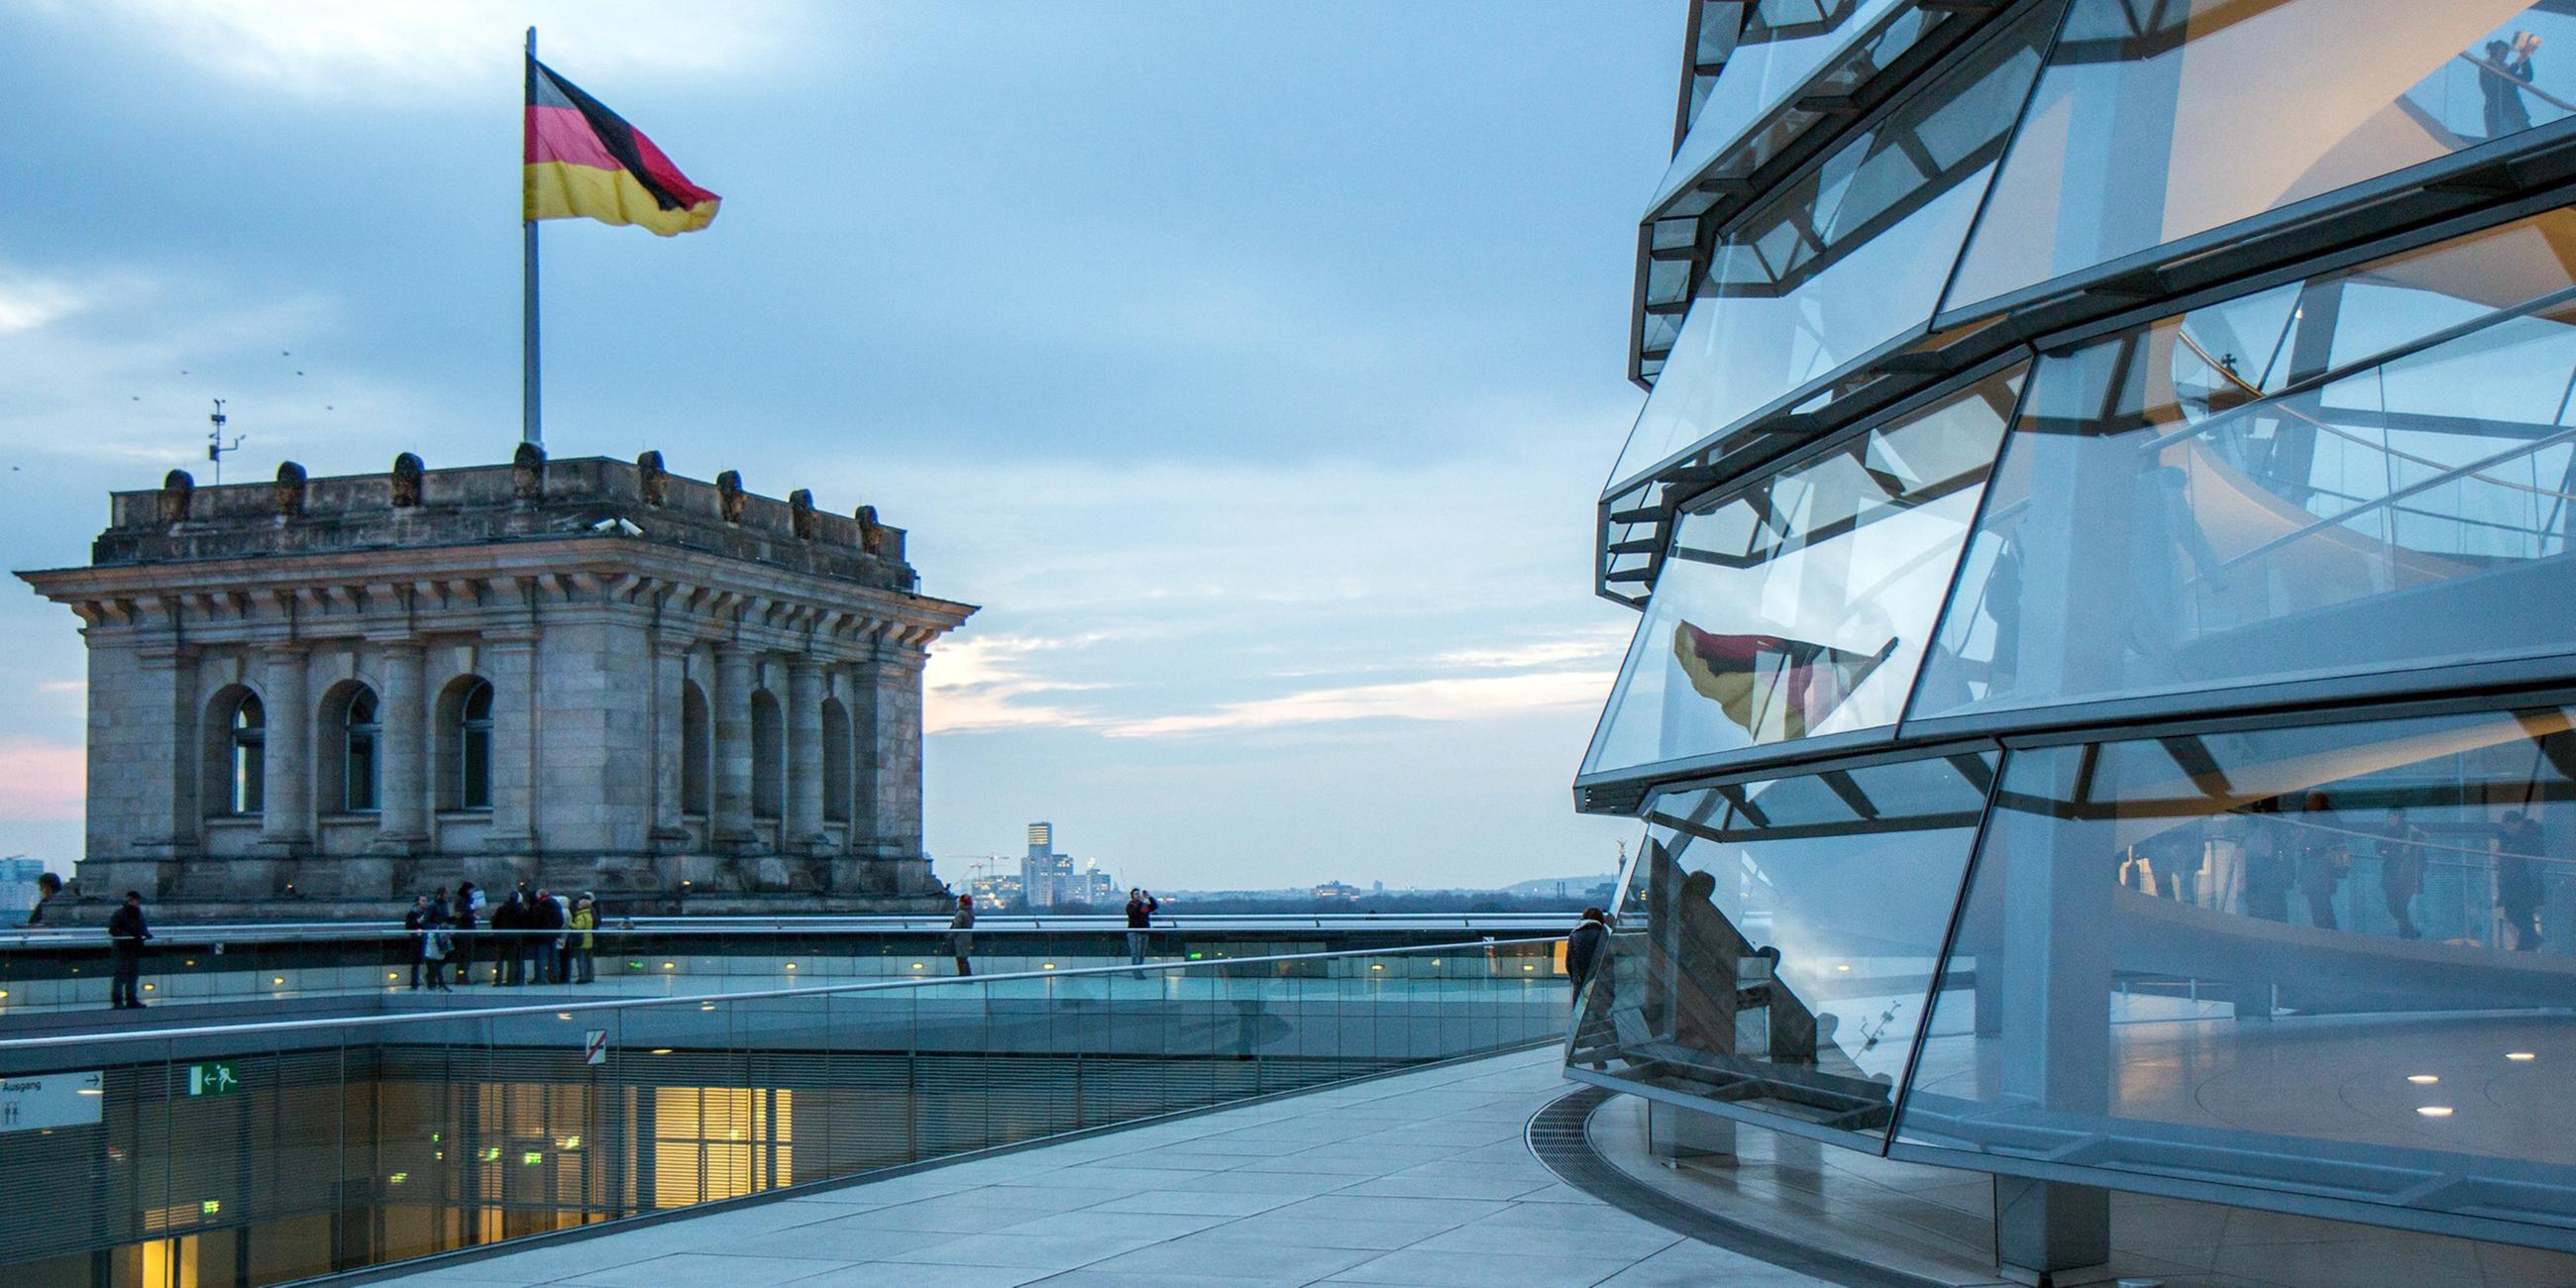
1254, 365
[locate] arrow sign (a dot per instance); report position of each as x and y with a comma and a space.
594, 1047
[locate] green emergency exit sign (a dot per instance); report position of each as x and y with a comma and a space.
213, 1078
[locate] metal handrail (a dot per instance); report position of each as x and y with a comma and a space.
303, 932
701, 1000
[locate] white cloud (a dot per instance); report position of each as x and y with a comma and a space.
411, 49
1462, 698
27, 303
981, 683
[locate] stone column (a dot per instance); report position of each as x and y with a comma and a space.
886, 817
286, 763
172, 745
729, 828
402, 750
510, 663
804, 820
670, 673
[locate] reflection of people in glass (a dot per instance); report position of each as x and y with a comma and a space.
2268, 851
2321, 859
2502, 76
2401, 870
2223, 839
1710, 962
2165, 524
2518, 879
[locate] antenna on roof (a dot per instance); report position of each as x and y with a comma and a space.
215, 444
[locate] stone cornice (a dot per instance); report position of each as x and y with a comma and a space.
435, 589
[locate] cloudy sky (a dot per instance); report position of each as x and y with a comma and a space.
1255, 366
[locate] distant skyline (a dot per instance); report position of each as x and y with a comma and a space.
1254, 367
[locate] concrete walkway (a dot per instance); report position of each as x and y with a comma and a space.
1421, 1180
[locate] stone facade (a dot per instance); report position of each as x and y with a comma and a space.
588, 673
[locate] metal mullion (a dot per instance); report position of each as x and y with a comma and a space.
1949, 945
1976, 521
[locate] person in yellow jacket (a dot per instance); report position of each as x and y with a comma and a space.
582, 928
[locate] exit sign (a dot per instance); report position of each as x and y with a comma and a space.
213, 1078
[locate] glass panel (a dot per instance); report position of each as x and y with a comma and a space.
1800, 605
2155, 122
1784, 43
2305, 959
1776, 939
2165, 518
1844, 260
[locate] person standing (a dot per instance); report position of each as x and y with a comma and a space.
2401, 870
506, 957
1141, 907
585, 920
1583, 948
47, 886
416, 921
2518, 879
961, 933
437, 943
126, 933
551, 916
467, 913
2322, 858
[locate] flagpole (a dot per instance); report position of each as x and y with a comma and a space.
531, 417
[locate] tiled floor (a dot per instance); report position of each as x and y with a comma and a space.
1418, 1180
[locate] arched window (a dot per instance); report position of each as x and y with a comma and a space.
768, 758
474, 748
358, 752
464, 744
694, 748
836, 761
246, 756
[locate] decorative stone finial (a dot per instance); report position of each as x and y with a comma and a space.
407, 472
288, 493
175, 489
729, 495
656, 480
800, 513
528, 472
872, 535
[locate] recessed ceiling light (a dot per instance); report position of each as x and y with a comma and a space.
2434, 1111
2510, 1055
2422, 1079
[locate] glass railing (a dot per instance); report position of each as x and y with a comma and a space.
46, 971
254, 1154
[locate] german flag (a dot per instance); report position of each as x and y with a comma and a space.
586, 162
1773, 688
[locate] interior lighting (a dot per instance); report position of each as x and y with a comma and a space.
1528, 966
2423, 1079
531, 1158
92, 1091
569, 1142
2510, 1055
389, 975
277, 979
915, 966
563, 1015
667, 966
2434, 1111
791, 965
210, 1207
661, 1050
706, 1006
148, 988
1050, 965
1377, 966
492, 1155
4, 992
1844, 967
398, 1178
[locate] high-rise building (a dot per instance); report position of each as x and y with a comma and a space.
18, 875
2104, 530
1046, 877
